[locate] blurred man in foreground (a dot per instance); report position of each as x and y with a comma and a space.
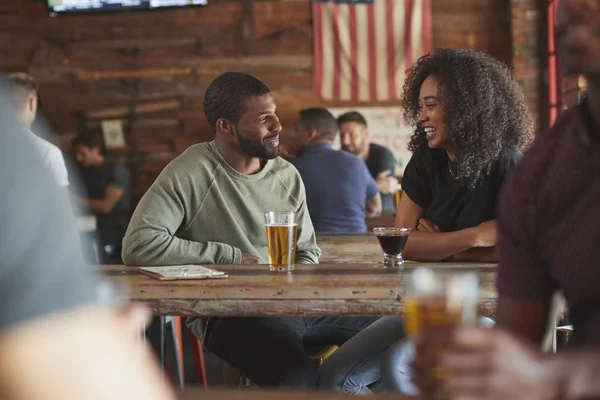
492, 364
549, 232
57, 341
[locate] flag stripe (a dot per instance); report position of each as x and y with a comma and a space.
327, 52
416, 29
345, 63
399, 42
391, 49
318, 49
381, 46
353, 52
335, 30
426, 32
362, 39
372, 53
408, 5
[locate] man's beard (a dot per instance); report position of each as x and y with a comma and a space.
256, 148
356, 150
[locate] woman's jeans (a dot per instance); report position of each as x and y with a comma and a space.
355, 368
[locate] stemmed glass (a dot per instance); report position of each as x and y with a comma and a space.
392, 242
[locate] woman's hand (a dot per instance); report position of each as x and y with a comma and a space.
425, 225
486, 234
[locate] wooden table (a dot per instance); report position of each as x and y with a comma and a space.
384, 220
311, 290
261, 394
349, 247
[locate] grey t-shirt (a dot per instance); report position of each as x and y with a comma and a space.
41, 267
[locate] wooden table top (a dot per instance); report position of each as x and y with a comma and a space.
349, 247
261, 394
311, 290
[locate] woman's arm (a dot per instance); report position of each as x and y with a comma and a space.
477, 254
428, 246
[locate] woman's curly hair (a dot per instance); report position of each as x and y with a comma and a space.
485, 111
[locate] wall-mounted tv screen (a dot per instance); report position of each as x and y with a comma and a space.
60, 7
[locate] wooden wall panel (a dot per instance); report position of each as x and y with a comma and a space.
88, 63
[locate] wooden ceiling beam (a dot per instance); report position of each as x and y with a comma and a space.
87, 75
141, 108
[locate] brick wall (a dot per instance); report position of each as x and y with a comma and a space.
529, 53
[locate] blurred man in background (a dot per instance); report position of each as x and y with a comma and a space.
355, 138
339, 188
24, 90
106, 193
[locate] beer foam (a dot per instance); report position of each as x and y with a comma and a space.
281, 224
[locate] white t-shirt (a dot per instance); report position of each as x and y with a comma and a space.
52, 158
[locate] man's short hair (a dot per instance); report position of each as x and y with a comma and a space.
225, 96
352, 116
321, 120
90, 139
22, 86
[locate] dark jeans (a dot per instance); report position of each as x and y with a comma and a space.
355, 368
271, 351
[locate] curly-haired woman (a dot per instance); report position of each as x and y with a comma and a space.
471, 121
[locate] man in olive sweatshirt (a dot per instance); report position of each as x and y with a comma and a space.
207, 207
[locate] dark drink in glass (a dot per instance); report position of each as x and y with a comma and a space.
392, 242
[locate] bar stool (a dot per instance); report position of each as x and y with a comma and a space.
197, 350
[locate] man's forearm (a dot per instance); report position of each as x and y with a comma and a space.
147, 246
97, 206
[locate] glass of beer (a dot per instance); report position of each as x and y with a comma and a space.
398, 195
440, 299
392, 242
282, 229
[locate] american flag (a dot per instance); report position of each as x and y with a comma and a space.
362, 48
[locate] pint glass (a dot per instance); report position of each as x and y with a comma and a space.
282, 229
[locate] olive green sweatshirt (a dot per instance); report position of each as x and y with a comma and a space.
200, 210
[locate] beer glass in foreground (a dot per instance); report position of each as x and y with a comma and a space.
282, 229
440, 299
436, 299
392, 242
